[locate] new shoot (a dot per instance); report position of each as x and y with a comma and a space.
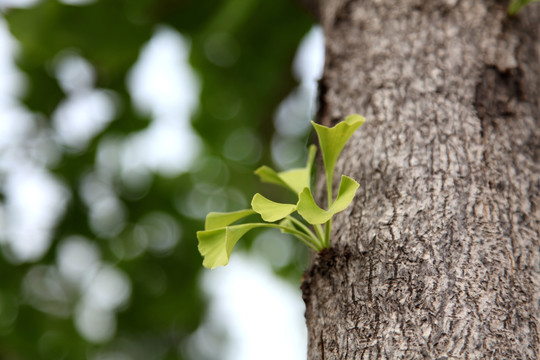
304, 219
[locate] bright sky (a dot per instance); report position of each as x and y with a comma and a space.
263, 315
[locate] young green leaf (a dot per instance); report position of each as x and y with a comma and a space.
268, 175
295, 180
516, 5
332, 140
313, 214
270, 210
216, 220
216, 245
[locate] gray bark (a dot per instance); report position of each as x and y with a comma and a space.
439, 255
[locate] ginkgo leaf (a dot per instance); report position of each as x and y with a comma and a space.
270, 210
295, 179
332, 140
313, 214
268, 175
216, 245
216, 220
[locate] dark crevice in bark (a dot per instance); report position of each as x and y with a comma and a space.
322, 263
497, 94
322, 108
322, 345
343, 14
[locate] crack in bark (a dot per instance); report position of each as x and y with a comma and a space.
322, 346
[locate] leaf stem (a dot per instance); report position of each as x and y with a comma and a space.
316, 240
299, 235
329, 180
328, 231
320, 234
330, 201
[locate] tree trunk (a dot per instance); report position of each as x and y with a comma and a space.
439, 256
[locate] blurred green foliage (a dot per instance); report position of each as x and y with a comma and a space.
241, 50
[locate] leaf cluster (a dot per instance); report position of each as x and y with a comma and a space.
304, 219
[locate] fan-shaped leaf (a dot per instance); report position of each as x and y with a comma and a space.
270, 210
295, 179
313, 214
216, 245
216, 220
332, 140
268, 175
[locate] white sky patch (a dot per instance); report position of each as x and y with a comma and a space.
293, 114
34, 203
86, 111
262, 314
78, 260
160, 230
95, 324
74, 73
106, 212
82, 116
101, 288
166, 147
95, 315
309, 60
162, 81
77, 2
164, 86
109, 289
17, 3
15, 128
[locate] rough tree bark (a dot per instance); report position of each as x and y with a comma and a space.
439, 256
